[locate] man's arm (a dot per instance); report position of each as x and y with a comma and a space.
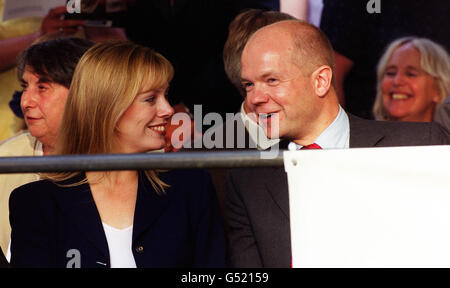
10, 48
243, 251
52, 23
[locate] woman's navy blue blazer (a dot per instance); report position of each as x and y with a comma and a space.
54, 226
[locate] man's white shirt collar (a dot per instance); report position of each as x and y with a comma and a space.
336, 136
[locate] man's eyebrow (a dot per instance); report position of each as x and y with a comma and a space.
265, 75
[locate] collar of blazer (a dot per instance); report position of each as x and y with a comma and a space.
79, 206
149, 204
363, 133
277, 185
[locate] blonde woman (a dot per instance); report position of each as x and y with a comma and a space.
117, 104
413, 80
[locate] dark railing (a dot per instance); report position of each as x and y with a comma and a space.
105, 162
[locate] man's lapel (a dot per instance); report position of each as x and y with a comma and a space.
275, 181
277, 186
363, 133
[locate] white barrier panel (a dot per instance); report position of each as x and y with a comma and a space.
370, 207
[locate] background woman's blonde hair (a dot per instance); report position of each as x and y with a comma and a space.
434, 60
105, 83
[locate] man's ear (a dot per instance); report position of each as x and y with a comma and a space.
322, 80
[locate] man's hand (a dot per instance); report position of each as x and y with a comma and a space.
53, 22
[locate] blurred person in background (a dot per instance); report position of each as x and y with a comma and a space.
306, 10
17, 35
359, 32
413, 80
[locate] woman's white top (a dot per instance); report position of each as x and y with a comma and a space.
119, 244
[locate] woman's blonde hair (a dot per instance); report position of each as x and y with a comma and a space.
434, 60
105, 83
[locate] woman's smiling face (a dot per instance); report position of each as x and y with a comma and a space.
409, 93
142, 127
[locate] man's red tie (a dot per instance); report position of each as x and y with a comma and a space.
312, 146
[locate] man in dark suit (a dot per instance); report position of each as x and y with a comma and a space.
290, 83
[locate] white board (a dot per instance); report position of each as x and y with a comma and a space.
370, 207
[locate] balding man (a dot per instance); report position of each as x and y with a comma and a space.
287, 71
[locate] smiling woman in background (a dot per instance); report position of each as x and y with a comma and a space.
413, 80
117, 104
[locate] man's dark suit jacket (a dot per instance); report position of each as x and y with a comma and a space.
181, 228
257, 204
